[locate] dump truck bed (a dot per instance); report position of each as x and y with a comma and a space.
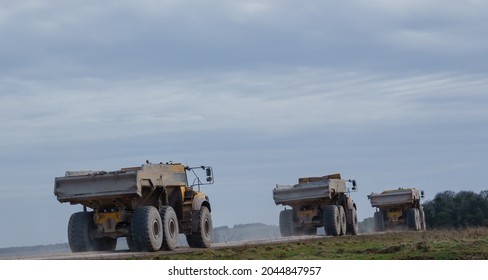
319, 188
86, 186
393, 197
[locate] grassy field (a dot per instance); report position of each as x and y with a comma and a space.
465, 244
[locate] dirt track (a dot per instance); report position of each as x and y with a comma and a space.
120, 255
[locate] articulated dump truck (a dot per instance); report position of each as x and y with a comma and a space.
317, 202
398, 209
149, 205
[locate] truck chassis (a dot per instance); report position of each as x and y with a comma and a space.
317, 202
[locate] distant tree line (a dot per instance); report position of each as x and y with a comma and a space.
457, 210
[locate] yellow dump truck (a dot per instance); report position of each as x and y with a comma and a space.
149, 205
398, 209
317, 202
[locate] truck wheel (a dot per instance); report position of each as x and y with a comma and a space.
379, 222
170, 227
342, 219
331, 220
203, 237
304, 231
352, 222
81, 229
286, 223
310, 231
423, 225
147, 229
105, 244
189, 239
413, 219
131, 244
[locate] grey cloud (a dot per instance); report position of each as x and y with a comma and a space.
122, 37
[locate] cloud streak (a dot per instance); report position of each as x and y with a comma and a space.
289, 98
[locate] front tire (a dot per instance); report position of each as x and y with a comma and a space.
342, 219
204, 235
352, 222
423, 225
147, 229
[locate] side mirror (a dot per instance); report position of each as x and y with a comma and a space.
208, 172
354, 186
421, 194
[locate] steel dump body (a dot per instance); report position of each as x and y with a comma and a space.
324, 188
116, 188
394, 197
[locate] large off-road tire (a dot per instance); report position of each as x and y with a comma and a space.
170, 227
304, 231
342, 219
105, 244
81, 231
131, 244
287, 227
189, 240
352, 226
204, 235
413, 219
331, 220
379, 221
147, 229
423, 225
81, 235
310, 231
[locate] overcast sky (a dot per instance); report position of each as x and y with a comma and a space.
390, 93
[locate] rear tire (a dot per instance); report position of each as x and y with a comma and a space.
189, 240
310, 231
170, 227
147, 229
105, 244
413, 219
81, 230
131, 244
379, 221
331, 220
286, 223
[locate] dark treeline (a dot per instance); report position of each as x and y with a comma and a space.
457, 210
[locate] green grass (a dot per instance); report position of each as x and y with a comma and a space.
465, 244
